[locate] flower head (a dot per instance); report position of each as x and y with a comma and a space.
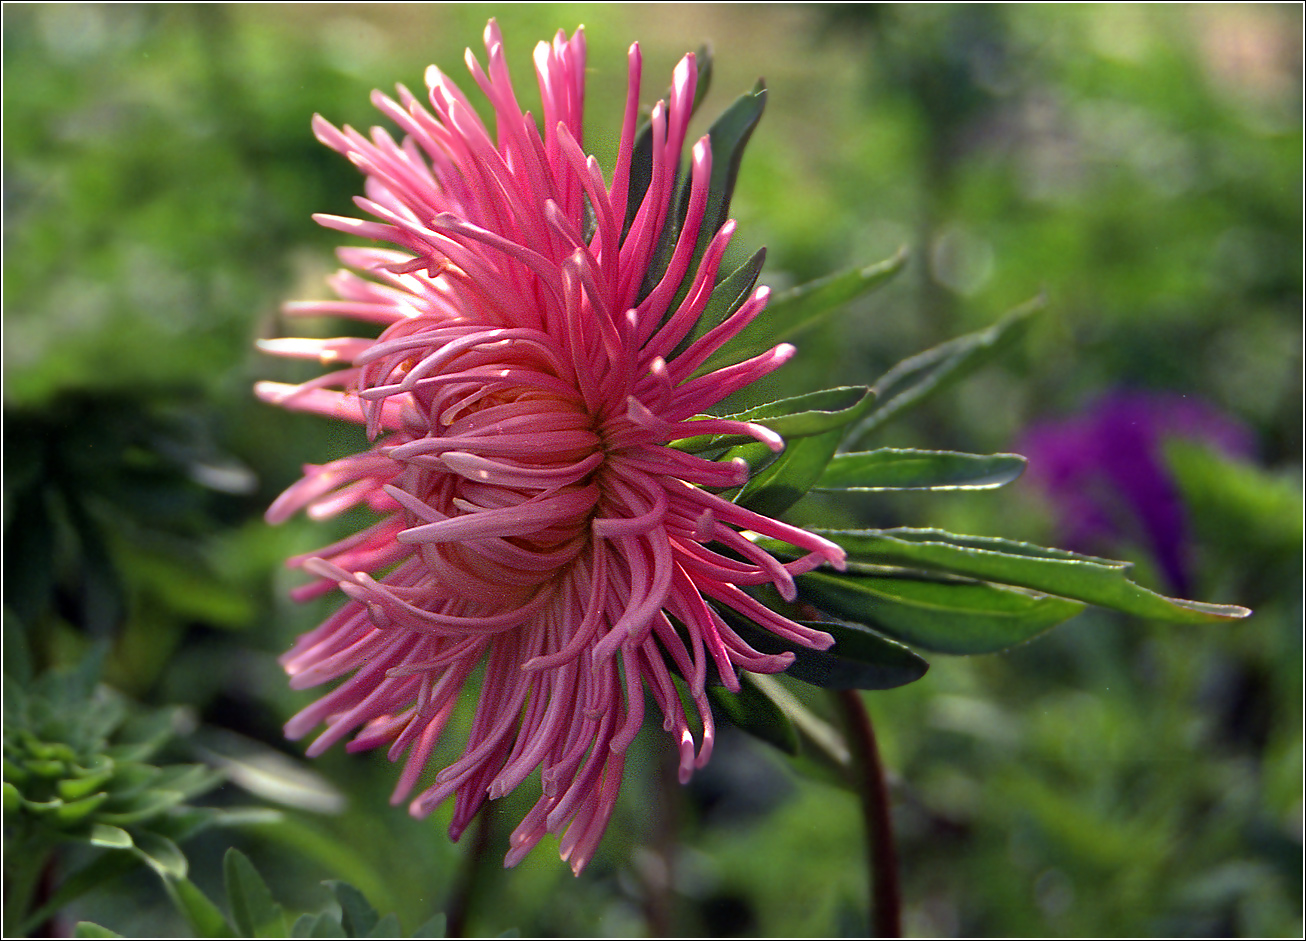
520, 399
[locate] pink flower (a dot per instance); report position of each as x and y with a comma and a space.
520, 400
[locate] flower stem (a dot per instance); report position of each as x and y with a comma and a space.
881, 854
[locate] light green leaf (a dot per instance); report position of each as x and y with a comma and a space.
1053, 572
161, 854
945, 616
89, 929
906, 469
114, 838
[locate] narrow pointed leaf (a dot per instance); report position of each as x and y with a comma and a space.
811, 414
820, 744
915, 379
906, 469
204, 918
756, 714
253, 910
728, 136
788, 478
859, 659
791, 312
945, 616
728, 296
1064, 574
357, 915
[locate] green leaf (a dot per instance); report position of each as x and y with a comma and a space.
727, 297
357, 915
436, 926
387, 927
799, 308
204, 918
788, 478
728, 136
324, 925
859, 659
72, 812
89, 929
914, 379
811, 414
253, 910
945, 616
757, 714
906, 469
103, 868
113, 838
162, 855
1054, 572
818, 740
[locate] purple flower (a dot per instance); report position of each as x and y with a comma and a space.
1106, 474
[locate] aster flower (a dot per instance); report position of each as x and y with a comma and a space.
1106, 475
538, 355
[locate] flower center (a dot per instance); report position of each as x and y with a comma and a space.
504, 476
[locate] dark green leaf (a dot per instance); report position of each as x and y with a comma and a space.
859, 659
1081, 578
905, 469
756, 714
356, 913
727, 136
945, 616
913, 380
790, 312
104, 867
728, 296
788, 478
253, 910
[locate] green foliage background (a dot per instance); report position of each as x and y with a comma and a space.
1142, 166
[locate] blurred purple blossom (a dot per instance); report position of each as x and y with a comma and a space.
1105, 471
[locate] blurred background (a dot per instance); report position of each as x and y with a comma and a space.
1140, 166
